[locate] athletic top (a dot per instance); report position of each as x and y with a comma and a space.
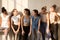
4, 21
52, 17
15, 19
26, 21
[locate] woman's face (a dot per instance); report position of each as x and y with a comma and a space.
25, 12
33, 13
51, 9
15, 12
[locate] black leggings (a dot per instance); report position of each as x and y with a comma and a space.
54, 31
15, 27
26, 30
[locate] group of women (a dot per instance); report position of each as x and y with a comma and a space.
30, 24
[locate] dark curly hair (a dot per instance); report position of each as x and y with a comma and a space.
4, 10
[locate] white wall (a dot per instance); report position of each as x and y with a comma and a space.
37, 4
11, 4
31, 4
0, 5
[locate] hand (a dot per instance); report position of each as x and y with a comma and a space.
38, 31
17, 31
23, 32
55, 22
14, 32
29, 34
47, 31
5, 31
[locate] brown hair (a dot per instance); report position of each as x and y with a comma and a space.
43, 8
54, 6
12, 12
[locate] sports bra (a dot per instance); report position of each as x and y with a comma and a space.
25, 20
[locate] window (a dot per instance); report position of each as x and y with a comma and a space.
18, 4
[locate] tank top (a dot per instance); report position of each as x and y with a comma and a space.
15, 19
26, 21
4, 21
52, 17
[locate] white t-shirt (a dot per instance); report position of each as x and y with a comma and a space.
4, 21
15, 19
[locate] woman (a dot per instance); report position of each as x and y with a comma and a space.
25, 24
35, 22
15, 22
5, 23
53, 23
44, 22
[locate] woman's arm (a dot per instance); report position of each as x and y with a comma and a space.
22, 23
39, 25
0, 20
8, 23
12, 26
48, 17
30, 27
48, 20
19, 25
